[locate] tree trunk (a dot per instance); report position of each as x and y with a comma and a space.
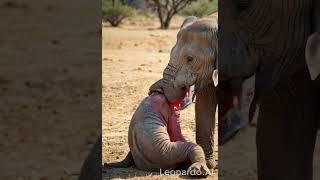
165, 24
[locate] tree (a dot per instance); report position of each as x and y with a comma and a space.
114, 12
166, 9
201, 8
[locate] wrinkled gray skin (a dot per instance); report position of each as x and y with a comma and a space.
192, 61
274, 51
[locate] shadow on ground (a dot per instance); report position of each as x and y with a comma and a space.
125, 173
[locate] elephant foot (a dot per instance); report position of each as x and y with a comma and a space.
211, 164
198, 169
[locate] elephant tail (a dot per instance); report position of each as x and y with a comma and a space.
127, 162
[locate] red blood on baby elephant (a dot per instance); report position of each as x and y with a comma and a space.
174, 128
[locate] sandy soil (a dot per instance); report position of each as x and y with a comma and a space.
47, 120
239, 155
133, 58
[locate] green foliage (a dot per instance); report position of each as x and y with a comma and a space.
201, 8
114, 11
138, 4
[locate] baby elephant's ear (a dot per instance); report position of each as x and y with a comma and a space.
313, 55
189, 20
157, 86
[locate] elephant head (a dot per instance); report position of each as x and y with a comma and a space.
192, 59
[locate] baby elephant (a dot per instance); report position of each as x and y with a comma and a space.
155, 138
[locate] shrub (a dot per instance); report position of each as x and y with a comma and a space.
201, 8
114, 13
167, 9
137, 4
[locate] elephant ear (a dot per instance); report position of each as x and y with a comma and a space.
157, 86
189, 20
313, 55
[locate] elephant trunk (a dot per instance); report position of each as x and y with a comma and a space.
176, 84
169, 73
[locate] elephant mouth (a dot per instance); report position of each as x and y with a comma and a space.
176, 94
185, 91
178, 102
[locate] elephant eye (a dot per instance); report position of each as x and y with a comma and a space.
189, 59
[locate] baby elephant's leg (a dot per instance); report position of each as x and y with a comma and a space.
198, 166
178, 152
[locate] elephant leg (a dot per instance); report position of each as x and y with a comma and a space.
286, 131
205, 109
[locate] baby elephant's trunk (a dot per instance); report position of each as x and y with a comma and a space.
127, 162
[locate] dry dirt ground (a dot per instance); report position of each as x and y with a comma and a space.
133, 58
47, 126
240, 156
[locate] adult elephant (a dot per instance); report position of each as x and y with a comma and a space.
268, 38
192, 61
